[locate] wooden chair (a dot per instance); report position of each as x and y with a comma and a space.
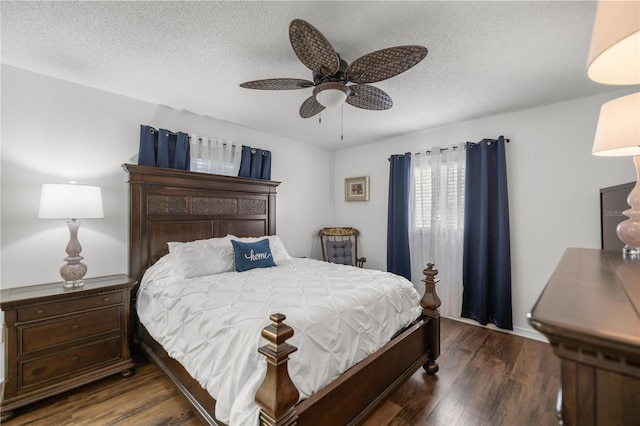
340, 245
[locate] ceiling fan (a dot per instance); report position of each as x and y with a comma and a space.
334, 80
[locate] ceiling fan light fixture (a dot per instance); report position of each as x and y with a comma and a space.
331, 94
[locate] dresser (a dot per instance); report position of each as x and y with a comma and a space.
57, 339
590, 312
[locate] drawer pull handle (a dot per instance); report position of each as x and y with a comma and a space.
106, 299
40, 311
75, 327
74, 358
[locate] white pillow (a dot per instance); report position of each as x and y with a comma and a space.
203, 257
278, 251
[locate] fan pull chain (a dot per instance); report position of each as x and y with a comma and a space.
341, 122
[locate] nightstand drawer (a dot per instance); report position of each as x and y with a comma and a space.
69, 362
69, 328
47, 310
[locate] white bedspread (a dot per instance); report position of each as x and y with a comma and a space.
211, 324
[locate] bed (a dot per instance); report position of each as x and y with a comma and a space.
177, 206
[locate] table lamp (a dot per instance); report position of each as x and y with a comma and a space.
614, 58
618, 133
71, 202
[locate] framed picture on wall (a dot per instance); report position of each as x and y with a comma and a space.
356, 188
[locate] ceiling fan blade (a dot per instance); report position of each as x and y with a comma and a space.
312, 48
310, 107
369, 97
277, 84
385, 63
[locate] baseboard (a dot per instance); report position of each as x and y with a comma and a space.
526, 332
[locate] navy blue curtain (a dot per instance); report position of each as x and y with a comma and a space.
255, 163
266, 165
398, 258
148, 148
486, 253
163, 148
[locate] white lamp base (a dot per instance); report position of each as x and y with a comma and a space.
630, 252
629, 230
74, 271
73, 284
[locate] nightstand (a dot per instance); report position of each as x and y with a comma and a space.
57, 339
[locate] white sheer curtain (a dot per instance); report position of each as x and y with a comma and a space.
436, 221
214, 155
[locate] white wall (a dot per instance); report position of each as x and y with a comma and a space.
553, 184
54, 131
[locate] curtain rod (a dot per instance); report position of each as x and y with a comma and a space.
472, 143
223, 143
507, 140
170, 133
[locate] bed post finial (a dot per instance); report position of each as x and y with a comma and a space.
277, 394
430, 303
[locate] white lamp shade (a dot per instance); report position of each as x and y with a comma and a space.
61, 201
614, 56
618, 131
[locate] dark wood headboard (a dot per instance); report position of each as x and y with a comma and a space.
177, 205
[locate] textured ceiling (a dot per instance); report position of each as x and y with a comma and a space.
484, 57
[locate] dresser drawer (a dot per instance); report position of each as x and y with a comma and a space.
68, 329
46, 310
70, 362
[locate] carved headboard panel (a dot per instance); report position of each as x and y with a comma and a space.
176, 205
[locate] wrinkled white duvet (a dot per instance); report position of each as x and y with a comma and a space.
211, 324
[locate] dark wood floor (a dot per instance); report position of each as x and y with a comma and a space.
486, 378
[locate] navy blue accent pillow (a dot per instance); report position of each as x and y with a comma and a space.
252, 255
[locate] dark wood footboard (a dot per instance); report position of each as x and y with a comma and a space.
356, 393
